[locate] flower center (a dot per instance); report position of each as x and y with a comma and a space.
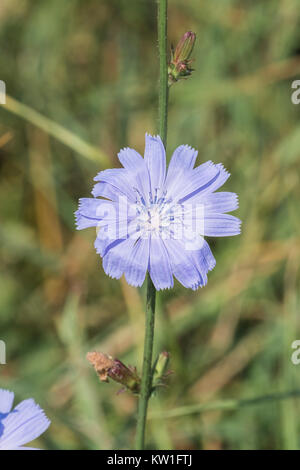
149, 218
156, 217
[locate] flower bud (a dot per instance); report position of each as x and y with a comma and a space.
107, 367
160, 369
180, 64
185, 47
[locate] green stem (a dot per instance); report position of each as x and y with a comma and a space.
146, 383
163, 69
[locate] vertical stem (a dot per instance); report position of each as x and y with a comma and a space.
163, 69
146, 383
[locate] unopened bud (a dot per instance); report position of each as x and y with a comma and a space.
107, 367
160, 369
185, 47
180, 64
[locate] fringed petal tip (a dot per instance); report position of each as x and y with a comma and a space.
112, 276
211, 266
165, 287
91, 211
22, 425
77, 216
200, 284
81, 222
135, 284
6, 400
222, 169
44, 420
235, 202
221, 225
189, 148
118, 276
154, 137
238, 226
194, 287
220, 202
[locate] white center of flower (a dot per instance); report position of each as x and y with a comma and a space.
156, 217
154, 220
162, 217
150, 218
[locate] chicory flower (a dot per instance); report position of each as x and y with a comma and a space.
20, 425
151, 218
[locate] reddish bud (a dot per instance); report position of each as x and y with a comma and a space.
107, 367
180, 64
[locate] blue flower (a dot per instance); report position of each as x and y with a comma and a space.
152, 219
25, 422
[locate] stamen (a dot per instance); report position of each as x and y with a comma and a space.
142, 200
159, 217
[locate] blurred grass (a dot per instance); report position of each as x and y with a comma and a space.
82, 81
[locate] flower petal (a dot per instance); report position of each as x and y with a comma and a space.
136, 165
218, 179
26, 422
220, 202
115, 258
102, 240
25, 448
221, 225
91, 211
199, 179
181, 163
6, 401
159, 265
155, 158
138, 262
182, 264
204, 260
106, 190
121, 179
